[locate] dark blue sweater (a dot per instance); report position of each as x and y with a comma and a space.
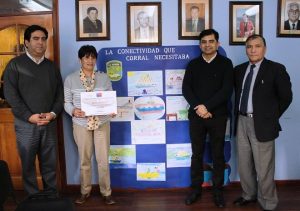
32, 88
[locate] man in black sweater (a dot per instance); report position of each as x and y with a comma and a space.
207, 87
33, 88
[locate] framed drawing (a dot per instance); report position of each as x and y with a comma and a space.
143, 23
245, 19
92, 20
288, 23
194, 16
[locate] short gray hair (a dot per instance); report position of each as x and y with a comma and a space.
293, 4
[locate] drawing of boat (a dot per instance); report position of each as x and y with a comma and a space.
149, 175
115, 159
145, 81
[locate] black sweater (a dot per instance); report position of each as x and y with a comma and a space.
32, 88
210, 84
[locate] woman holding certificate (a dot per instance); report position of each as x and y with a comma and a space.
89, 131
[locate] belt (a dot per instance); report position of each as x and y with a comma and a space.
247, 114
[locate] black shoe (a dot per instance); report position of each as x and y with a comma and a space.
243, 202
192, 197
219, 200
109, 200
82, 199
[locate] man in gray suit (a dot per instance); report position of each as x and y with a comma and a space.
263, 93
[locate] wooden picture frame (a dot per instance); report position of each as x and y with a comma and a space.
245, 19
92, 20
288, 23
193, 17
143, 23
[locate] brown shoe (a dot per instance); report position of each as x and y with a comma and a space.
82, 198
108, 200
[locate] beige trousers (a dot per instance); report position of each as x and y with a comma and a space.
86, 141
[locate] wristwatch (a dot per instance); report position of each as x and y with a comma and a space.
54, 115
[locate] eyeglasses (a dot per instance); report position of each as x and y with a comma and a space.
294, 11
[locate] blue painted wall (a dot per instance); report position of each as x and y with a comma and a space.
283, 50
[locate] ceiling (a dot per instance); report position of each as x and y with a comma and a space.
8, 7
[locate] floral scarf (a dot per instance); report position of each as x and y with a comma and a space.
93, 122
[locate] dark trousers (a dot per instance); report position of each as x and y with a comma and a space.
5, 183
215, 128
32, 141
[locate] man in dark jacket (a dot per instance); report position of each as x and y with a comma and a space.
293, 22
91, 23
263, 92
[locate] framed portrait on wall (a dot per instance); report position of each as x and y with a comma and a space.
288, 23
193, 17
245, 19
92, 20
143, 23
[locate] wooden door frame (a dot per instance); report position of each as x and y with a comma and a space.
61, 167
61, 172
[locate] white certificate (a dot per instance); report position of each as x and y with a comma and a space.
99, 103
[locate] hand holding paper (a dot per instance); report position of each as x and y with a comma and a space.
99, 103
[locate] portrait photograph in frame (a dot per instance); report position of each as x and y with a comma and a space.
288, 23
245, 19
92, 20
143, 23
193, 17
